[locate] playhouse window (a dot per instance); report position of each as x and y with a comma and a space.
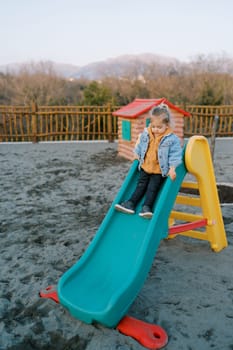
126, 130
147, 122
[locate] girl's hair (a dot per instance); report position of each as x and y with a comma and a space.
163, 112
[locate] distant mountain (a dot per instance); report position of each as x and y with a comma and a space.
118, 66
62, 69
123, 66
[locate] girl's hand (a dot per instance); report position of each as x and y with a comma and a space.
172, 173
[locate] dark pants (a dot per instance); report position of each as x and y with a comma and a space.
148, 185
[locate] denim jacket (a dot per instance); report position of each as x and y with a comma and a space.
169, 151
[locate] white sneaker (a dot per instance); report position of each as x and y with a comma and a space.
125, 207
146, 212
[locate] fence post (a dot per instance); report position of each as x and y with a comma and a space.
110, 136
1, 128
213, 135
34, 122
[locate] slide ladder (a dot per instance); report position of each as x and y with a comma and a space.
198, 162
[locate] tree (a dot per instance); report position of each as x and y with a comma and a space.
96, 94
37, 83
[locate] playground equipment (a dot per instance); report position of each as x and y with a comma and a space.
102, 285
198, 162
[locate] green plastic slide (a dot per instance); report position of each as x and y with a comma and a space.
104, 282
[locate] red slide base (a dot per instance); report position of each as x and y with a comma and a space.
149, 335
50, 293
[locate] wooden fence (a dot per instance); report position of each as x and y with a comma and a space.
57, 123
67, 123
202, 119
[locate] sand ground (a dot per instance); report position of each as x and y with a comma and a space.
53, 199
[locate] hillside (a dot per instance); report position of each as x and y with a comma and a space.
61, 69
118, 66
124, 66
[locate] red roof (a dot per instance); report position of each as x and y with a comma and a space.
140, 106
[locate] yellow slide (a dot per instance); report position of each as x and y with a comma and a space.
198, 162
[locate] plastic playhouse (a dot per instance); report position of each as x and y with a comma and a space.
133, 118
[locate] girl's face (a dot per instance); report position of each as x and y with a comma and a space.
158, 127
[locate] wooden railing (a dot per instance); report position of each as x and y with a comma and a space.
202, 119
67, 123
57, 123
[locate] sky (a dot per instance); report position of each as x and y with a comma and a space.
80, 32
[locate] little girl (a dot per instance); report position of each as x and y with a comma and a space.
159, 152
